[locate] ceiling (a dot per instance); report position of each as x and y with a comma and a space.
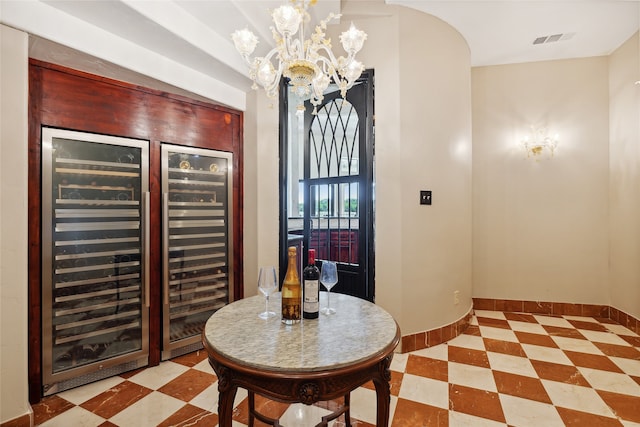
185, 44
503, 32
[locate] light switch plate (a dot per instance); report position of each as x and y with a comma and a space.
425, 197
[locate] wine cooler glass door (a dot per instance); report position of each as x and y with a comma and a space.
197, 249
94, 274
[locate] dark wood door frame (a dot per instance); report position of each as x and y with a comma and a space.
366, 151
69, 99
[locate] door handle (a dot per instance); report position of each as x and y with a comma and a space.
146, 229
165, 255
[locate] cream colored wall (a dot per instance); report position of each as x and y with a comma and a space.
13, 225
267, 185
624, 184
422, 142
250, 196
541, 228
261, 198
383, 39
434, 154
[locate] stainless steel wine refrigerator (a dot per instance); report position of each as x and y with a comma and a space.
95, 252
196, 245
95, 288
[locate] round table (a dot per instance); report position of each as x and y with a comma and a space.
315, 360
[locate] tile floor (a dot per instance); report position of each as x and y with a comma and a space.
507, 369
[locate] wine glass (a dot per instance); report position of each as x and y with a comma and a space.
328, 277
267, 283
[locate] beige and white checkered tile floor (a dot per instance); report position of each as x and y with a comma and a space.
507, 369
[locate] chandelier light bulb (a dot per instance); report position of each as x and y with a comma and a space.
287, 19
266, 73
320, 84
353, 70
353, 39
245, 41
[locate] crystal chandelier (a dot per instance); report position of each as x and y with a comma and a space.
309, 64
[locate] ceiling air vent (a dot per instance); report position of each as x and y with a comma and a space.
553, 38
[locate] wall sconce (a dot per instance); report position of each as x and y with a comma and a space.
538, 141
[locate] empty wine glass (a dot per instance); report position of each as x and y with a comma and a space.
267, 283
328, 277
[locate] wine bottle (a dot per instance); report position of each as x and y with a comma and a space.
311, 278
291, 291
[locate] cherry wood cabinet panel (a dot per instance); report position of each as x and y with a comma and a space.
69, 99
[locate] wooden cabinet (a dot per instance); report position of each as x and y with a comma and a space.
336, 245
62, 98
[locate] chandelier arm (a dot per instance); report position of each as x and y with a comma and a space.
328, 52
325, 55
270, 55
273, 86
299, 42
248, 60
294, 49
338, 63
328, 67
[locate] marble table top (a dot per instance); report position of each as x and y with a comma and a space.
357, 331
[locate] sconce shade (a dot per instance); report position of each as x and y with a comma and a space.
538, 142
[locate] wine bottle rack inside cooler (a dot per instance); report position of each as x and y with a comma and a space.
94, 272
197, 249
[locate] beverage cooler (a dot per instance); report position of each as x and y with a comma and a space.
95, 252
95, 234
196, 244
